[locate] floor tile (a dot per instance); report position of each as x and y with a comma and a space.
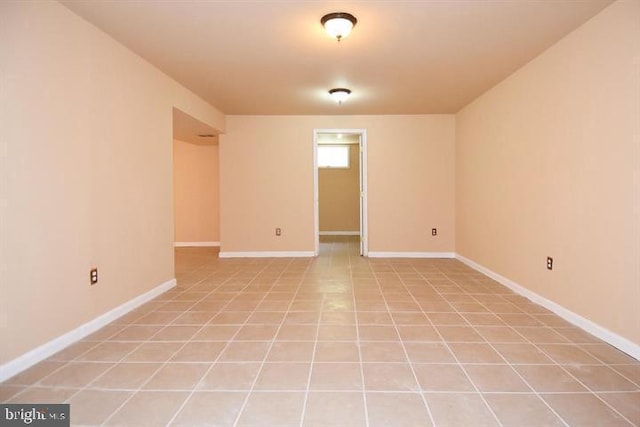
522, 353
382, 352
256, 333
626, 403
389, 377
154, 352
283, 376
609, 354
437, 377
631, 372
194, 318
347, 409
297, 333
522, 410
475, 353
378, 333
584, 410
176, 333
210, 408
500, 334
447, 319
158, 318
483, 319
76, 374
410, 318
459, 334
374, 318
177, 376
568, 354
93, 407
422, 333
74, 350
44, 395
199, 351
496, 378
136, 333
397, 409
35, 373
148, 408
110, 351
126, 376
436, 352
337, 351
336, 376
601, 378
549, 378
230, 376
267, 317
8, 391
460, 409
283, 409
291, 351
216, 332
541, 335
337, 332
230, 318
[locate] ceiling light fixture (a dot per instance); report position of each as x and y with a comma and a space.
338, 24
339, 94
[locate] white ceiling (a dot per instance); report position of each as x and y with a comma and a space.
273, 57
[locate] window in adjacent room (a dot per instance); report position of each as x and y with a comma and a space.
333, 156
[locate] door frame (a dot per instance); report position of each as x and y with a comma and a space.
364, 240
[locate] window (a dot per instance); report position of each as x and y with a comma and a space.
333, 156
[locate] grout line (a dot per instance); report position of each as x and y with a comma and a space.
404, 349
460, 365
267, 283
266, 355
141, 387
589, 390
535, 392
358, 344
561, 366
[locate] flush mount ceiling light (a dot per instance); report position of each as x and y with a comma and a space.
339, 94
338, 24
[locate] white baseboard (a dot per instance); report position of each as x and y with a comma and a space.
339, 233
621, 343
196, 244
266, 254
411, 255
21, 363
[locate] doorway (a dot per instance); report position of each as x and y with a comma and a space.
339, 152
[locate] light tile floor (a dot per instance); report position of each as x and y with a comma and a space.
336, 341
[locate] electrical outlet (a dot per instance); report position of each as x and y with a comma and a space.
434, 231
549, 263
93, 276
278, 231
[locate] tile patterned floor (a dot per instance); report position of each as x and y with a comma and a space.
336, 341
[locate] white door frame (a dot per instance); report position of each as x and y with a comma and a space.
363, 187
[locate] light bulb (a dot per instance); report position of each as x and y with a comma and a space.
339, 24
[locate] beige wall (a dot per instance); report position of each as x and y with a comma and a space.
547, 164
266, 181
339, 195
86, 173
195, 191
